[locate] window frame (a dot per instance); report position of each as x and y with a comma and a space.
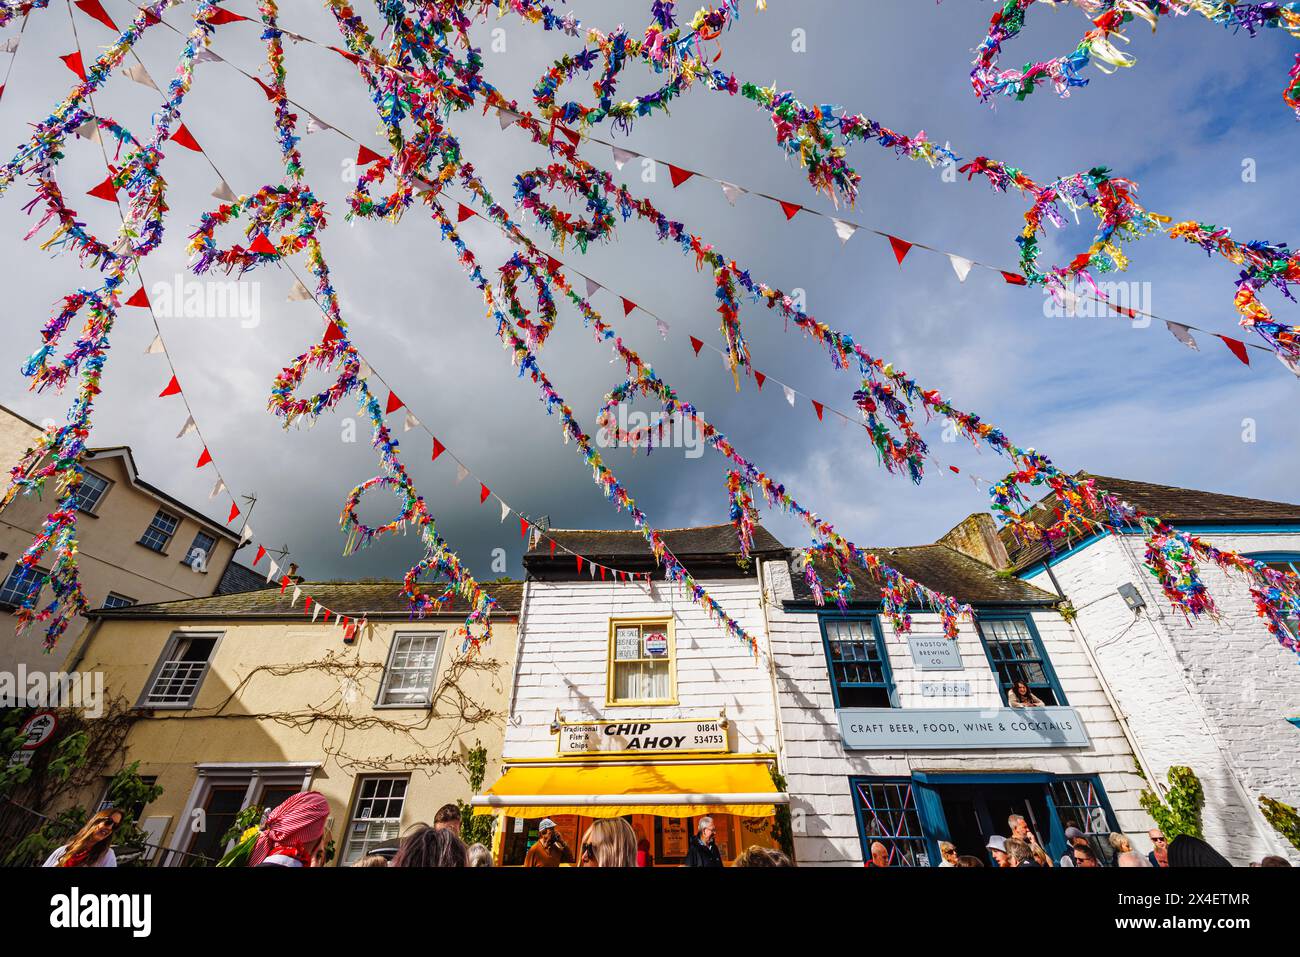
388, 667
208, 552
1278, 558
5, 603
665, 624
921, 842
358, 787
173, 642
170, 538
128, 601
108, 485
1044, 659
873, 620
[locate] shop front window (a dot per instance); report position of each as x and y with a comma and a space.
1079, 803
887, 815
1017, 655
858, 664
661, 841
641, 663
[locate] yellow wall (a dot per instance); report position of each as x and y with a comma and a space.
231, 721
110, 557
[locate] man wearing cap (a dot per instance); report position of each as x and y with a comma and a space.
550, 849
1073, 838
997, 846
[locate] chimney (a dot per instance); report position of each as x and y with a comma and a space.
977, 537
292, 574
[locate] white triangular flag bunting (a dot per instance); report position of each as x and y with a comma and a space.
1183, 334
411, 422
187, 428
217, 489
731, 191
662, 327
507, 118
462, 473
1289, 363
138, 73
592, 569
844, 230
505, 510
299, 292
272, 570
155, 347
593, 287
622, 156
363, 369
316, 125
961, 266
89, 130
247, 535
297, 593
10, 45
223, 191
789, 394
206, 56
315, 610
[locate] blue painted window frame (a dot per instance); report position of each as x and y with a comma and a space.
887, 671
860, 812
1048, 671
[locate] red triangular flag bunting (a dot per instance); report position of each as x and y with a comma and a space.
262, 245
261, 553
306, 605
73, 62
463, 213
901, 248
1014, 279
344, 53
552, 548
234, 513
552, 264
628, 306
760, 379
523, 528
817, 407
173, 388
572, 135
678, 175
105, 190
366, 156
438, 449
220, 17
186, 139
602, 572
267, 89
1238, 348
954, 470
139, 298
791, 210
204, 459
579, 558
483, 493
284, 583
394, 403
95, 9
333, 333
697, 345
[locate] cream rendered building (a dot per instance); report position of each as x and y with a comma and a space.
245, 699
136, 545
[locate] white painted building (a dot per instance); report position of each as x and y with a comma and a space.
629, 701
908, 740
1212, 695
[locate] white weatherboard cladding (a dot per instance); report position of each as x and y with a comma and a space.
817, 768
563, 657
1211, 695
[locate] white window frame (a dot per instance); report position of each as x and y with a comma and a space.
385, 684
168, 657
5, 602
353, 819
113, 594
187, 560
150, 527
93, 509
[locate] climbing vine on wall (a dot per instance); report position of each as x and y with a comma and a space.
1179, 812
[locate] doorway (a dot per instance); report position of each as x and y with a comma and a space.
975, 812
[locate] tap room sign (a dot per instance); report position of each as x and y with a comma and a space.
643, 737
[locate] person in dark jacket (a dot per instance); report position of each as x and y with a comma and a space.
1188, 851
704, 851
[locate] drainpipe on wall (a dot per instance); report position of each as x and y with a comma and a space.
771, 663
519, 650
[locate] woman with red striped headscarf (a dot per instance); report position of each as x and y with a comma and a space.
291, 835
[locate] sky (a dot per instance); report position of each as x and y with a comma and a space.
1200, 108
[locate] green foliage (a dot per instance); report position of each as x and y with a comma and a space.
475, 828
128, 790
1284, 818
11, 720
1180, 810
1067, 610
782, 832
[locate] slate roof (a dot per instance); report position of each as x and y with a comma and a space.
1178, 506
377, 600
939, 567
239, 578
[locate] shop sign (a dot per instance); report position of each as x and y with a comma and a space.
954, 729
627, 644
653, 737
945, 689
935, 653
656, 644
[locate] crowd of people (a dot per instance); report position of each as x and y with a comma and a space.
294, 835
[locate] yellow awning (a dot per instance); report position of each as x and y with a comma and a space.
607, 790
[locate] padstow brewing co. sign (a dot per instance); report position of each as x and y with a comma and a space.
653, 737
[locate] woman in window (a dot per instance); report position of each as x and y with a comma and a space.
92, 845
1021, 697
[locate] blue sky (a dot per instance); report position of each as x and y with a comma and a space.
1089, 392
